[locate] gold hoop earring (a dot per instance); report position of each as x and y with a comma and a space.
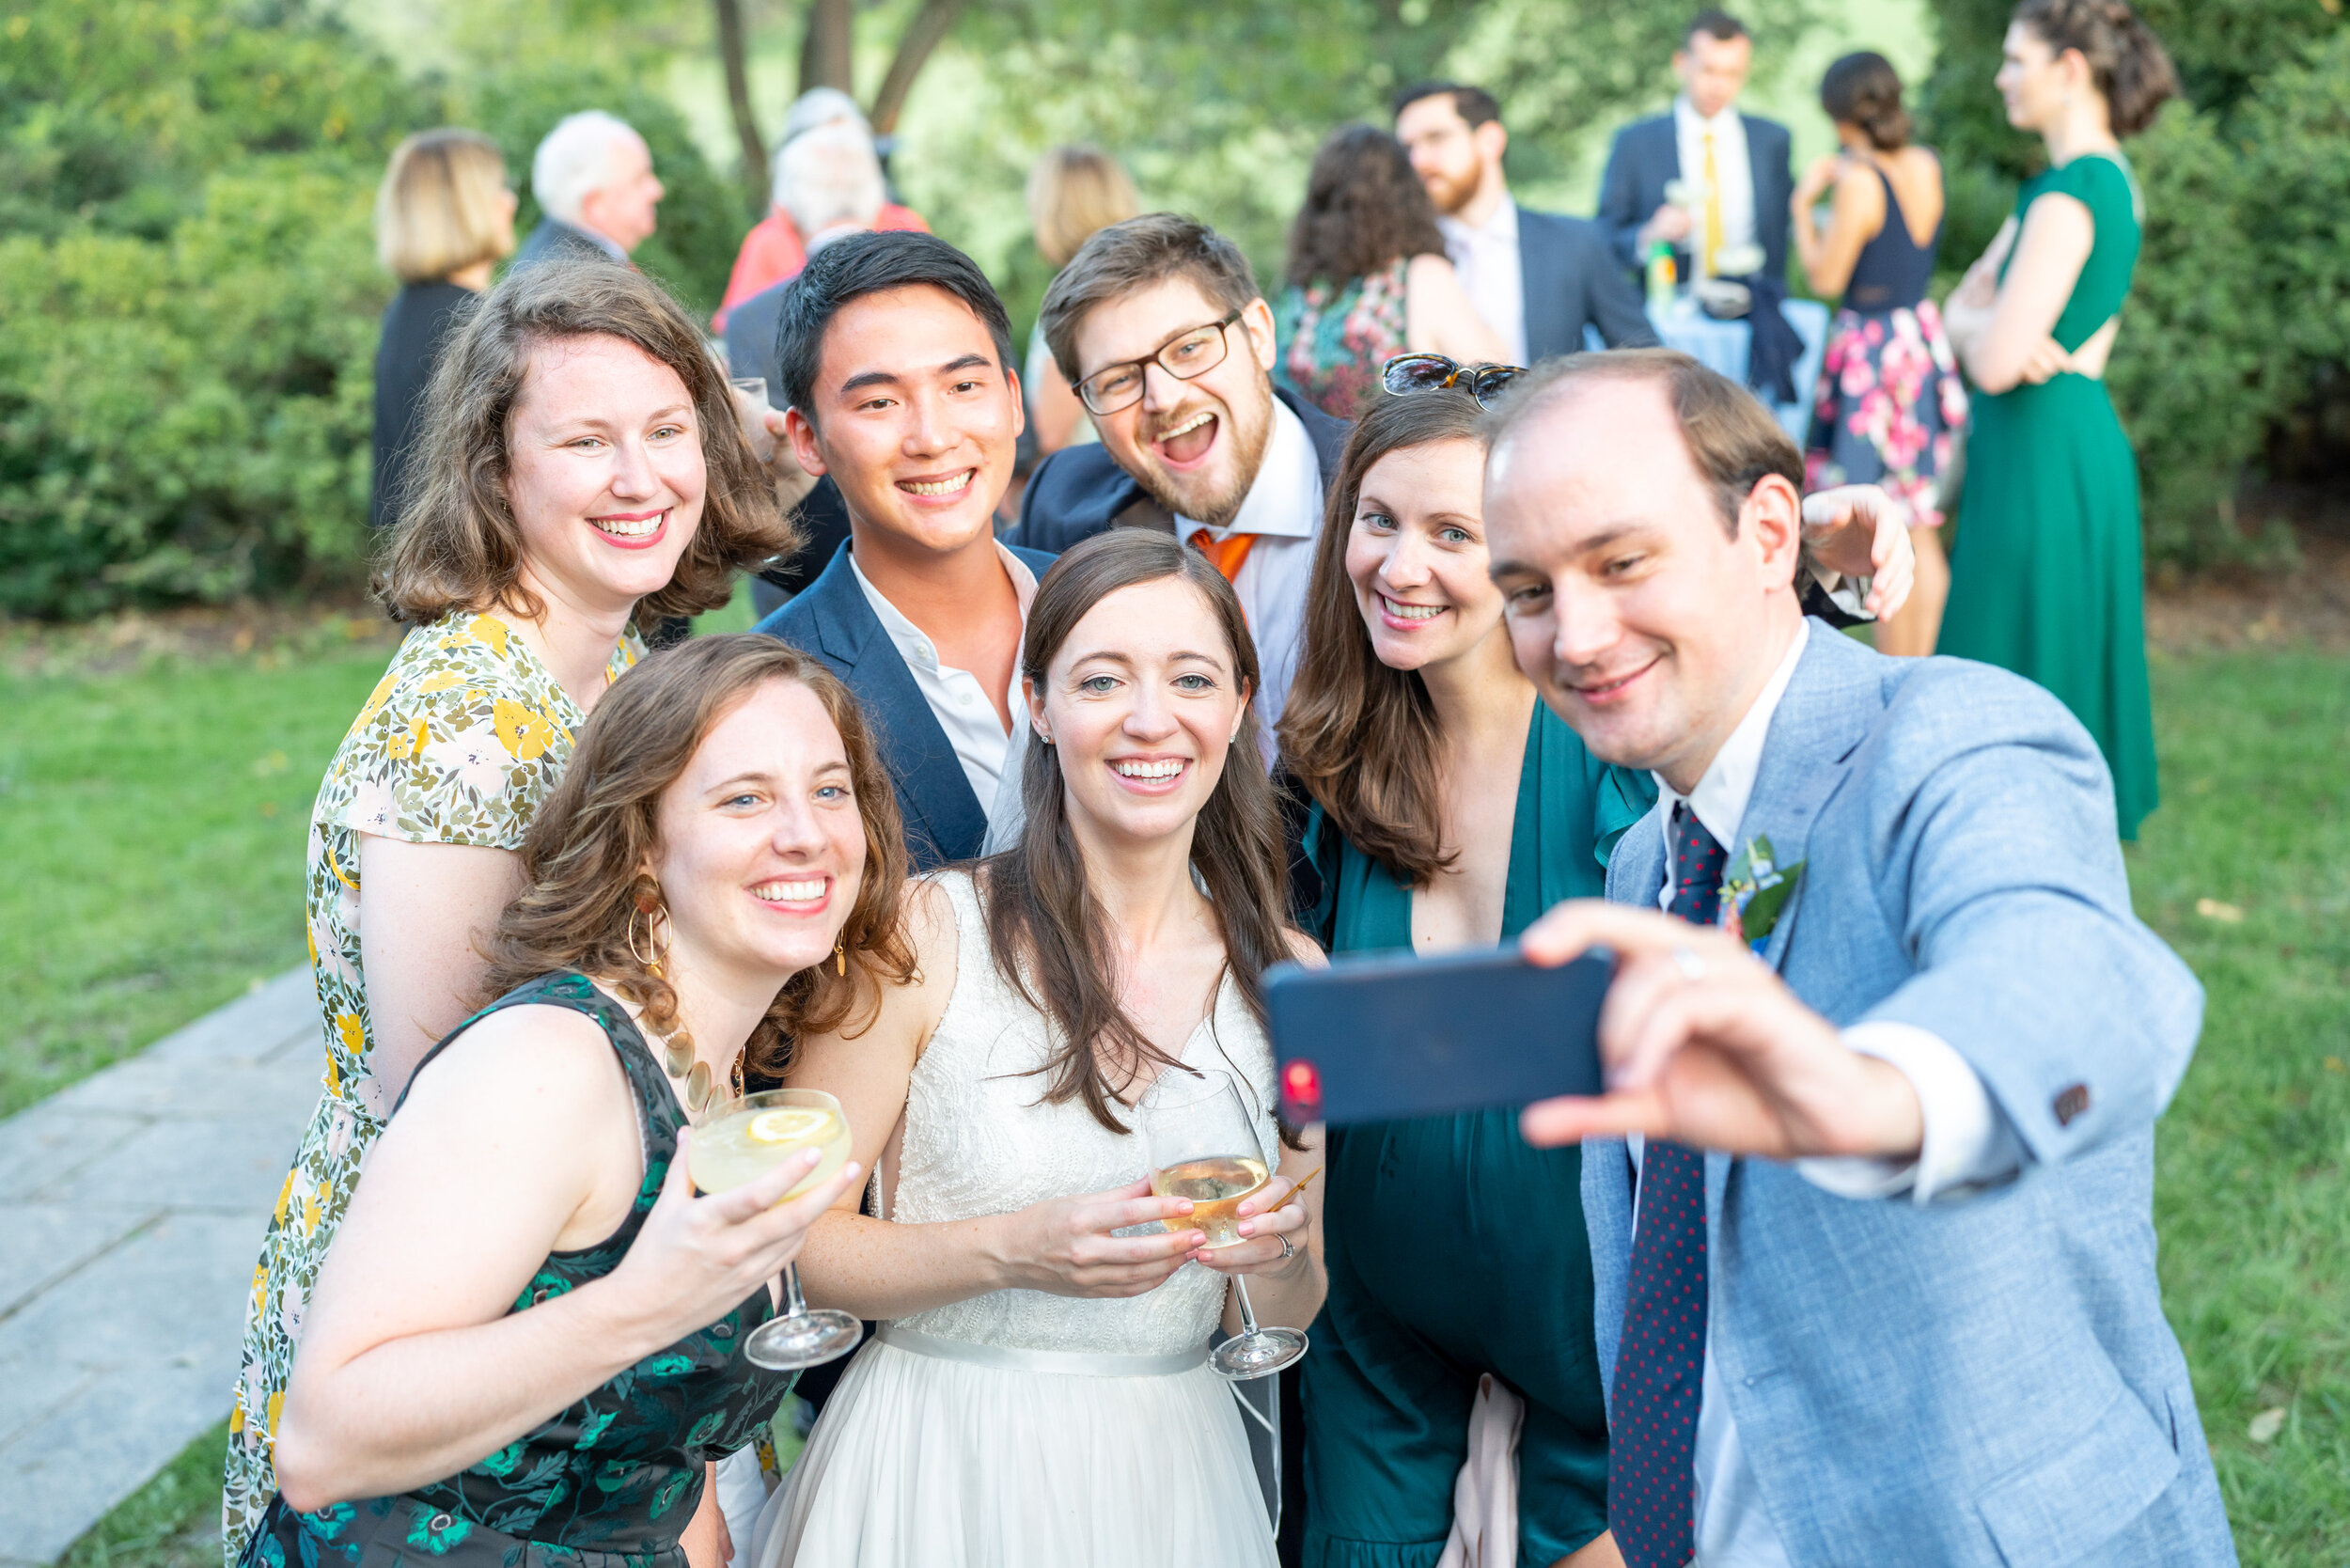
646, 897
840, 958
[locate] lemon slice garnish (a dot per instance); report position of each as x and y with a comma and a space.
788, 1125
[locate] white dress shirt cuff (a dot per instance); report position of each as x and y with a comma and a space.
1968, 1143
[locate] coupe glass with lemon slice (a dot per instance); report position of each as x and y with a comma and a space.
740, 1140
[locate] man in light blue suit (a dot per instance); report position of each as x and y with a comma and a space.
1870, 1192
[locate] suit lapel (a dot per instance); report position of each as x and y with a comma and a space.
1822, 719
943, 816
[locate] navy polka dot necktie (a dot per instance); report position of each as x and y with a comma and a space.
1660, 1364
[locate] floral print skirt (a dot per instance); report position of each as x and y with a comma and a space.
1891, 403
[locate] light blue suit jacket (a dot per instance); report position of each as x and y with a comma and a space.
1987, 1380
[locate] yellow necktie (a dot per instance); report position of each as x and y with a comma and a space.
1712, 206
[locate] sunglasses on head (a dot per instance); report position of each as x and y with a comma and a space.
1432, 373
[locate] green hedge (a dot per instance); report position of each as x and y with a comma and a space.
189, 295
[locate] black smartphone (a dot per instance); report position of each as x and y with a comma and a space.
1388, 1035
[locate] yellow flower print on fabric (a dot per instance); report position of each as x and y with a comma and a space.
376, 699
525, 732
429, 773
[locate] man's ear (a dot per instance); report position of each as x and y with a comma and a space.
1258, 317
1019, 402
1772, 518
803, 436
1492, 140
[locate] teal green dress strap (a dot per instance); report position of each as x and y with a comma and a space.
613, 1480
1427, 1223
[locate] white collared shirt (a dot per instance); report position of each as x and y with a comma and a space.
1966, 1141
1731, 166
1486, 257
962, 706
1283, 509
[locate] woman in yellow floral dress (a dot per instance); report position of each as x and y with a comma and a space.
581, 469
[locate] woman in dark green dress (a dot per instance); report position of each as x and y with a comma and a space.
526, 1343
1451, 808
2047, 578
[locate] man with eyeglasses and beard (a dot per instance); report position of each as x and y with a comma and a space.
1158, 323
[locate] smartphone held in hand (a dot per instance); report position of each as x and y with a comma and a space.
1388, 1035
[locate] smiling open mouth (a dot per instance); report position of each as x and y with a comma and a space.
1136, 768
1410, 612
795, 890
1188, 441
952, 484
631, 528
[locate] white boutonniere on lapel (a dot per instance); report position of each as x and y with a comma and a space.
1755, 889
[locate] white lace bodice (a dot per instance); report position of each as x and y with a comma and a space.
980, 1140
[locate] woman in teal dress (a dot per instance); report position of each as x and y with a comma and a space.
1452, 808
525, 1346
2047, 577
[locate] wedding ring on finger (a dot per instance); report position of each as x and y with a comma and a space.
1287, 1251
1692, 967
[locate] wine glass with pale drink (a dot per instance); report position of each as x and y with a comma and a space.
740, 1141
1202, 1145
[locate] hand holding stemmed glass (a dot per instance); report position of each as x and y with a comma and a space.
1201, 1143
737, 1141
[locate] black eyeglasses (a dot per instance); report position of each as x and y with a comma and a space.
1193, 352
1433, 372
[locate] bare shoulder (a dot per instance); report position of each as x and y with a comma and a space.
1430, 270
555, 1056
1304, 949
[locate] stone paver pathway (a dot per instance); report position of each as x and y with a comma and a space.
132, 1207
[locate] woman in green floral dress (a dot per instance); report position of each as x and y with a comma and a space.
581, 468
528, 1342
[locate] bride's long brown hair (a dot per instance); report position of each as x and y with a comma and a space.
1052, 939
597, 830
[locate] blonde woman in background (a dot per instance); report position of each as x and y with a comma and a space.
444, 216
1073, 191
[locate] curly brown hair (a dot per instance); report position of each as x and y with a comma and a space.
598, 833
1365, 209
456, 545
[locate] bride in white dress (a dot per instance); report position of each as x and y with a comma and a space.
1037, 1395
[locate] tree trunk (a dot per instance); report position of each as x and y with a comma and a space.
826, 57
930, 24
732, 54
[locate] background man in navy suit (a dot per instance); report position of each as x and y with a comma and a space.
895, 357
1537, 278
1753, 181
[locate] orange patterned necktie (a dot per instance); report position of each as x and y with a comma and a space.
1225, 554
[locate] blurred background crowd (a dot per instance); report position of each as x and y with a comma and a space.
191, 304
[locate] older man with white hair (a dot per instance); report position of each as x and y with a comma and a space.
776, 248
593, 177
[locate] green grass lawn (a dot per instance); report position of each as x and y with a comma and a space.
150, 882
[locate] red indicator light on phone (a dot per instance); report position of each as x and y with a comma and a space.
1302, 1084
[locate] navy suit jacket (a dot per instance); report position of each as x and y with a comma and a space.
1079, 491
1569, 276
834, 622
554, 239
1646, 157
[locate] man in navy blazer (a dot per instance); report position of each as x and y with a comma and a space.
1870, 1187
895, 357
1540, 280
1751, 160
1158, 323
